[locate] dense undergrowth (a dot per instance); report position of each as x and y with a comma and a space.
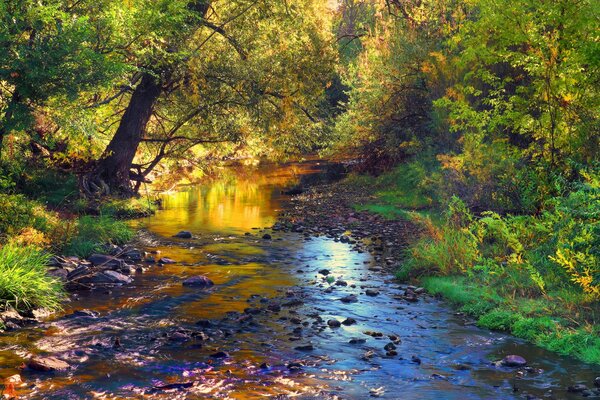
534, 275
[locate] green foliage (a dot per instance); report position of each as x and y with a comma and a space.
494, 311
18, 213
93, 232
24, 283
128, 208
502, 320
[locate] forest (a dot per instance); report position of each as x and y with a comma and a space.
473, 124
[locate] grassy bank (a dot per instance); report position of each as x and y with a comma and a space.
534, 275
41, 215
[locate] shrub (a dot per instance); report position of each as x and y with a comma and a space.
24, 283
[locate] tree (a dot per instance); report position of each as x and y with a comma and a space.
267, 62
50, 48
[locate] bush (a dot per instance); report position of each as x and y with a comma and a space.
18, 213
24, 283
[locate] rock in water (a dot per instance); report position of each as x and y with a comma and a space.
199, 281
349, 299
166, 260
184, 235
513, 361
334, 323
47, 364
106, 261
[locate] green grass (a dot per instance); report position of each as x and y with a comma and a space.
128, 208
94, 232
24, 283
542, 325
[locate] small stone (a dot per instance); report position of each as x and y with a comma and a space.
305, 347
219, 354
266, 236
416, 360
390, 346
183, 235
199, 281
349, 299
371, 292
349, 321
166, 260
597, 382
334, 323
578, 388
513, 361
357, 341
324, 272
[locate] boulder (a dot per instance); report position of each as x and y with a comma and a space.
183, 235
199, 281
47, 364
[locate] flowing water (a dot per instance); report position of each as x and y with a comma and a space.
170, 336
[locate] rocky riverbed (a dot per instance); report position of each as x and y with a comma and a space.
305, 306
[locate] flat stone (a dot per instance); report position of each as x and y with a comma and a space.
166, 260
47, 364
104, 260
199, 281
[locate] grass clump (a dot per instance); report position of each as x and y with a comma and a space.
24, 282
128, 208
91, 233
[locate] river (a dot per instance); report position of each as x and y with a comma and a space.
262, 330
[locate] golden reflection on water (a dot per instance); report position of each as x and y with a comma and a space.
241, 199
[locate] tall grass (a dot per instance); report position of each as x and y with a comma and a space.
94, 232
24, 282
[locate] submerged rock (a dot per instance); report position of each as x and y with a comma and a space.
199, 281
183, 235
47, 364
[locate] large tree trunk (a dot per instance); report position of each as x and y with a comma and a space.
111, 174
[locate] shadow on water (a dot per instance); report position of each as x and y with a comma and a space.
249, 336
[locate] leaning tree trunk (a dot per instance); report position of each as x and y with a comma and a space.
111, 174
